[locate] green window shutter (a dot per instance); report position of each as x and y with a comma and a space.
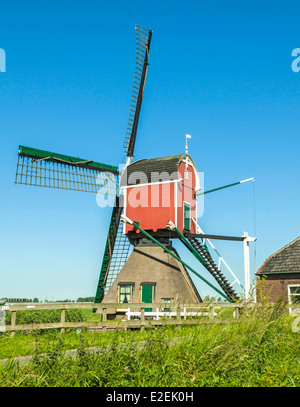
186, 217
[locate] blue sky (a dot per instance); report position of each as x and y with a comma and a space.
220, 71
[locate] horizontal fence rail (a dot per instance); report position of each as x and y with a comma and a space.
134, 315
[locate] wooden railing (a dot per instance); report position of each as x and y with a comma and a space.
178, 314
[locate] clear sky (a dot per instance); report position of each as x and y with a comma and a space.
219, 70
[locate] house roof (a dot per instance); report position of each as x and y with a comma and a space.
285, 260
154, 169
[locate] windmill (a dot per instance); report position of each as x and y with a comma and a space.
47, 169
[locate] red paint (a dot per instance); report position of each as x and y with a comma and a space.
153, 206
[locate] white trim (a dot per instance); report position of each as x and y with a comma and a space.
292, 311
191, 163
289, 291
246, 241
151, 183
157, 314
124, 210
236, 279
246, 180
175, 204
199, 230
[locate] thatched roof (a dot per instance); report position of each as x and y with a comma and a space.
156, 169
152, 264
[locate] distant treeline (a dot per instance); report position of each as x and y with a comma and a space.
13, 300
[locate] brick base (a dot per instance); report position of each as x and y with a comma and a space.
276, 286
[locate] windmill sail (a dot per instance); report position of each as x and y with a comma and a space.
143, 41
117, 247
116, 253
122, 249
46, 169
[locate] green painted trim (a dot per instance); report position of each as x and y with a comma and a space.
40, 154
186, 216
190, 247
217, 189
181, 261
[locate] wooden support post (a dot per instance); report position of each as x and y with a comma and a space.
13, 322
178, 317
104, 319
142, 318
62, 319
236, 312
212, 313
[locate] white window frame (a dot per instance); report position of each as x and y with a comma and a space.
131, 295
290, 295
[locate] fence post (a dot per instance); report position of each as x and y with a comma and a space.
104, 319
13, 322
178, 316
62, 319
142, 318
236, 313
212, 313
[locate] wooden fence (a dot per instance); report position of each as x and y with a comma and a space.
177, 314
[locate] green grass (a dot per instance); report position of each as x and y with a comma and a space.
26, 344
259, 350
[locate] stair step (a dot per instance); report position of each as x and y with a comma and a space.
212, 267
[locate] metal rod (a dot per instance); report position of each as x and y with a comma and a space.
225, 186
217, 237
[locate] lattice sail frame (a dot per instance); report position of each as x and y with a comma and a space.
51, 170
112, 263
143, 40
121, 252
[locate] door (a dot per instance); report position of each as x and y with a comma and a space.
187, 216
147, 295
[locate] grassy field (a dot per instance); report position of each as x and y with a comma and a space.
258, 350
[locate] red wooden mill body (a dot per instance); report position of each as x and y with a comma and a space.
159, 190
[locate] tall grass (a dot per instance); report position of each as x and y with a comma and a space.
260, 349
